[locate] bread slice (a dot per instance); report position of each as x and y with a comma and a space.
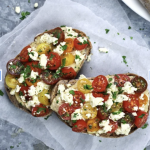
146, 4
16, 100
72, 82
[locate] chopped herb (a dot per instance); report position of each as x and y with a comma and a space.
87, 87
70, 35
107, 30
118, 112
129, 27
109, 85
75, 126
100, 141
142, 116
58, 92
62, 26
144, 148
77, 57
123, 121
74, 121
13, 66
120, 90
131, 37
117, 76
41, 109
82, 100
46, 30
69, 104
91, 68
57, 101
1, 93
63, 62
31, 53
145, 126
64, 47
110, 79
40, 51
71, 92
24, 15
28, 1
47, 117
20, 93
118, 33
123, 38
124, 59
114, 95
94, 42
11, 147
90, 126
75, 115
51, 57
85, 42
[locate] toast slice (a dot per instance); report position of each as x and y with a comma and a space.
73, 85
15, 99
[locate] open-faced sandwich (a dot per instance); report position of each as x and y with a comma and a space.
107, 106
55, 54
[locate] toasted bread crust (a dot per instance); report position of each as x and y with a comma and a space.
13, 98
72, 82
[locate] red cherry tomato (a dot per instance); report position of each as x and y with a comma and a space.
141, 118
58, 33
24, 92
102, 113
65, 111
79, 126
24, 57
35, 66
78, 98
78, 45
131, 103
54, 61
104, 96
100, 83
68, 73
40, 110
120, 79
114, 126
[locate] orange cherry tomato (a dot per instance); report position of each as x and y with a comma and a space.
143, 101
70, 45
31, 82
93, 125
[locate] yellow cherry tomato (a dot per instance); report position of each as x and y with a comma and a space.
70, 45
116, 107
42, 98
84, 86
143, 101
69, 58
11, 81
43, 48
93, 125
88, 109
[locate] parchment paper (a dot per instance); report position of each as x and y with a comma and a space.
83, 19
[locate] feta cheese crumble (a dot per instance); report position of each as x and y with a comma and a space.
128, 88
82, 39
33, 54
89, 58
125, 129
33, 74
79, 57
36, 5
116, 117
17, 10
76, 115
21, 78
120, 98
43, 61
103, 50
59, 49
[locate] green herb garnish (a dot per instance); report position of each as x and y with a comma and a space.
87, 87
47, 117
109, 85
24, 15
51, 57
145, 126
77, 57
129, 27
124, 59
72, 92
110, 79
1, 93
41, 109
107, 30
142, 116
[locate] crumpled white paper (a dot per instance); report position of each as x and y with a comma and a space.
81, 18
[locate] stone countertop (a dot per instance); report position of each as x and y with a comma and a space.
11, 136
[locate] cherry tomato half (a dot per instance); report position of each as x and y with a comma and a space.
79, 126
78, 45
58, 33
102, 113
120, 79
40, 110
24, 57
140, 83
130, 104
141, 118
14, 67
68, 73
35, 66
104, 96
78, 98
54, 61
70, 45
24, 92
49, 78
93, 125
100, 83
143, 101
114, 126
65, 111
